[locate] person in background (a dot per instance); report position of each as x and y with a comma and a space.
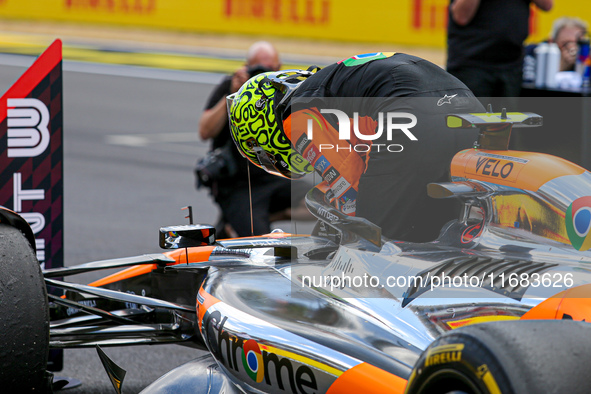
485, 44
566, 32
271, 196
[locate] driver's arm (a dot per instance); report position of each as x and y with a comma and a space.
335, 160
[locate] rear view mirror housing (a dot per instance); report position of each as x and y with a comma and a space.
186, 236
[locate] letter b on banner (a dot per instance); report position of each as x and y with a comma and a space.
27, 120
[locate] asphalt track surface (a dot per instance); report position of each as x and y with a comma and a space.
130, 143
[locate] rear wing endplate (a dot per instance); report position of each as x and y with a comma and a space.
495, 127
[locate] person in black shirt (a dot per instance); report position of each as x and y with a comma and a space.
485, 44
271, 196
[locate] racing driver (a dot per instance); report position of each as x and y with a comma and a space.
373, 126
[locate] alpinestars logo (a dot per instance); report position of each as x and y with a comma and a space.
445, 100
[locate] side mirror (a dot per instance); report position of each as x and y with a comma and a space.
186, 236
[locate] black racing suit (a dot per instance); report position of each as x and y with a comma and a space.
386, 183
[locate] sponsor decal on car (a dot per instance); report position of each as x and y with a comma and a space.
471, 232
263, 363
495, 166
327, 215
221, 251
578, 223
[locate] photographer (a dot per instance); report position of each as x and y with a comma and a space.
227, 176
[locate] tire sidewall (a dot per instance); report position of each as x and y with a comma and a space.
24, 327
458, 362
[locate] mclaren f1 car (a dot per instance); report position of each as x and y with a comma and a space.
497, 304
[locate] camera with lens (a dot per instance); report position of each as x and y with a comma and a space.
218, 164
257, 69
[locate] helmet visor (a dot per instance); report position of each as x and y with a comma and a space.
273, 165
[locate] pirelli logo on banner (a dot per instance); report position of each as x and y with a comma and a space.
31, 156
309, 12
433, 15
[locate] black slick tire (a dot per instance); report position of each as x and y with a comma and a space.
507, 357
24, 324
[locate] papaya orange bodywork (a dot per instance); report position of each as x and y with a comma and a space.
571, 304
365, 378
195, 255
527, 170
202, 307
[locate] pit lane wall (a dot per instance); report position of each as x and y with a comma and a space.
407, 22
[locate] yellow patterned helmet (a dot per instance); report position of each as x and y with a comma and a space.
256, 125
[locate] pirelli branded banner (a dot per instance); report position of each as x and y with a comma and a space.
31, 153
410, 22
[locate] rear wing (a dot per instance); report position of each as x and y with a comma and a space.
495, 127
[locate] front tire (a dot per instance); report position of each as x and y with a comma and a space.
507, 357
24, 316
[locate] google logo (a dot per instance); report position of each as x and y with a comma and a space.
252, 360
578, 223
